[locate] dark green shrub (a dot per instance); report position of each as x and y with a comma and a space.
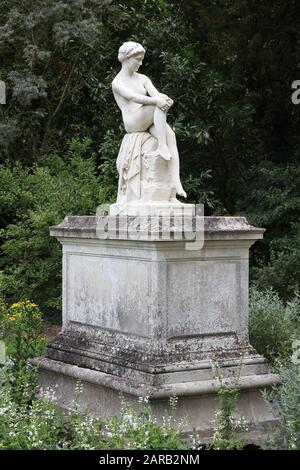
34, 199
284, 401
273, 325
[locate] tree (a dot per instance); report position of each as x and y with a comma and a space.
228, 65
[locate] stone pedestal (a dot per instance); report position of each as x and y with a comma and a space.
146, 317
145, 180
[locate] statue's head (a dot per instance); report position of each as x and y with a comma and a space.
132, 53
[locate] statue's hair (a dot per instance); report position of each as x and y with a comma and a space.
129, 49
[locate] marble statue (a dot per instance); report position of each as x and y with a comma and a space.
148, 160
146, 311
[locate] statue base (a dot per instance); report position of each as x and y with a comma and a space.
157, 208
149, 317
146, 182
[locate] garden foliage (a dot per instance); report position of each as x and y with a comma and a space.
274, 325
228, 65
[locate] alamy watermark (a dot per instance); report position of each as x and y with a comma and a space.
296, 352
2, 353
153, 223
296, 94
2, 92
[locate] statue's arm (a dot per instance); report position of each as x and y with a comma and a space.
122, 90
152, 91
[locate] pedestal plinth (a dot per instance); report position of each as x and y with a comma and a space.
146, 317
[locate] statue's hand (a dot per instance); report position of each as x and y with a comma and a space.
170, 101
164, 103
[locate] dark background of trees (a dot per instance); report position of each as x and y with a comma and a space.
228, 65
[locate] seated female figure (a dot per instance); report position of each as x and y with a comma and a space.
144, 108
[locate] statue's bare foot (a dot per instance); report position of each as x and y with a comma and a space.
180, 190
182, 193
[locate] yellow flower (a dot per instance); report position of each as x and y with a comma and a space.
24, 304
17, 314
23, 310
16, 305
30, 304
13, 316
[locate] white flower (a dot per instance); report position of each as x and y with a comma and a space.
143, 400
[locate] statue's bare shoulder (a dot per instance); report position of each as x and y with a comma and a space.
115, 82
138, 77
143, 77
125, 87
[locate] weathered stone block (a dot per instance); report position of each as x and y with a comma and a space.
146, 317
